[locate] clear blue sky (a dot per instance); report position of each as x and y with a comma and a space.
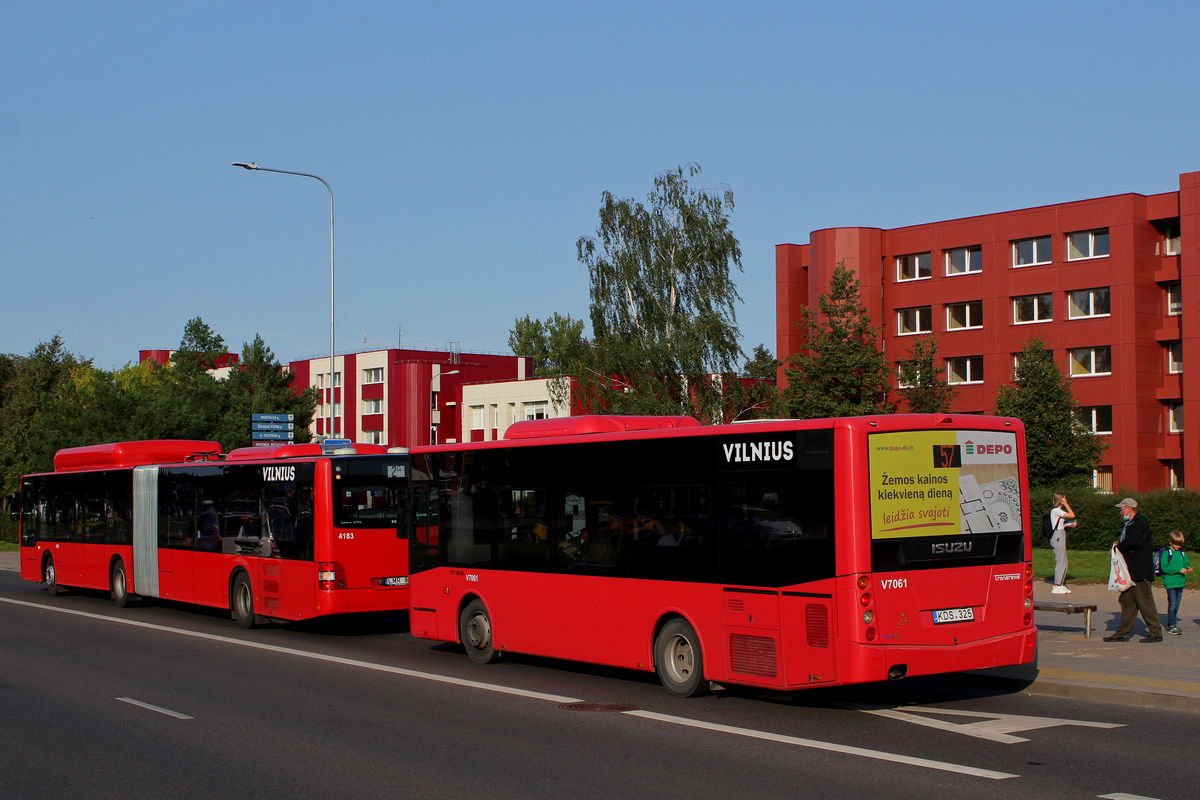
467, 145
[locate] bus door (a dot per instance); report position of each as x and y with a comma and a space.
145, 577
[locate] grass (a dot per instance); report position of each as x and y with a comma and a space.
1083, 566
9, 546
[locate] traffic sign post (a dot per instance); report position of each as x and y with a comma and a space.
272, 428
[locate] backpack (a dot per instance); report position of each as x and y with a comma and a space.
1158, 554
1048, 526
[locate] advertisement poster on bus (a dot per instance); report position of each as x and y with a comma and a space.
943, 483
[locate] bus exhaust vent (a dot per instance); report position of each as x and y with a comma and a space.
752, 655
816, 625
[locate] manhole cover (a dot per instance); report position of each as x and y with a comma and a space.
598, 707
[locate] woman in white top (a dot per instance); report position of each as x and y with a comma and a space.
1058, 541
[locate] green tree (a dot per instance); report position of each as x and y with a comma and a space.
554, 345
842, 371
1059, 450
662, 301
923, 375
762, 365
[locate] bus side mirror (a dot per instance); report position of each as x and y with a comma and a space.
13, 502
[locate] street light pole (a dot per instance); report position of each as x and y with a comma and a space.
329, 432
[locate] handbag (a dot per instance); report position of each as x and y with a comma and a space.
1118, 574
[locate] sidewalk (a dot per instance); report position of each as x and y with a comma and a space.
1162, 675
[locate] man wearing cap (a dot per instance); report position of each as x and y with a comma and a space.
1135, 544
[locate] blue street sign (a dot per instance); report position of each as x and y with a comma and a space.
272, 426
276, 436
272, 418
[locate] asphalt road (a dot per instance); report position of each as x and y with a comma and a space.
163, 700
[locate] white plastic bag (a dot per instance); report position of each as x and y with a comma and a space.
1118, 573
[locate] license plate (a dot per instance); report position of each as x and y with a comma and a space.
944, 615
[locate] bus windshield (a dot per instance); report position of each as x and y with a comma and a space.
369, 492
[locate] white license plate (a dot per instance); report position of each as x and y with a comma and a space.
945, 615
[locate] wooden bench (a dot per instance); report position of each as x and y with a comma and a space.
1069, 608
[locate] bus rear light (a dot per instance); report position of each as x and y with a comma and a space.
868, 616
1028, 619
1028, 587
864, 581
870, 634
865, 600
1028, 603
1029, 570
330, 575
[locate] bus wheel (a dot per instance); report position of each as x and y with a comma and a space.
243, 602
48, 577
118, 585
678, 660
475, 631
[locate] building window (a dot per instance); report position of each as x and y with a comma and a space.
964, 315
372, 406
1091, 361
476, 418
374, 437
967, 369
1171, 238
1097, 419
1174, 356
1174, 299
913, 267
538, 410
337, 408
1102, 480
962, 260
1087, 244
374, 375
914, 320
1033, 308
1175, 473
1027, 252
1088, 303
1175, 416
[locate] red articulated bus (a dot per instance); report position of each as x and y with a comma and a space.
781, 554
287, 532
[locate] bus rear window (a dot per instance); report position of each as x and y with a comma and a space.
369, 492
944, 498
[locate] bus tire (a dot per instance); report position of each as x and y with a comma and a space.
241, 602
119, 585
50, 577
475, 632
678, 660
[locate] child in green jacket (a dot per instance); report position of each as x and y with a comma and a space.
1174, 565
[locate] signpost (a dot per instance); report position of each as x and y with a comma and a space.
268, 429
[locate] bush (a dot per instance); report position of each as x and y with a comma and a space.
1100, 522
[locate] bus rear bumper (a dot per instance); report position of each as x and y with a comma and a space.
896, 661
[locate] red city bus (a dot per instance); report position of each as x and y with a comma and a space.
781, 554
286, 532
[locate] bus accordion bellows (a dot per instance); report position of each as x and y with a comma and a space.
781, 554
286, 532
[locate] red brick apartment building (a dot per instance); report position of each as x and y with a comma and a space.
1112, 285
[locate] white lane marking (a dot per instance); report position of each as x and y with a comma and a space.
810, 743
828, 746
350, 662
1123, 796
159, 709
994, 727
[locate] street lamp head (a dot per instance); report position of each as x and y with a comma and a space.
244, 165
451, 372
